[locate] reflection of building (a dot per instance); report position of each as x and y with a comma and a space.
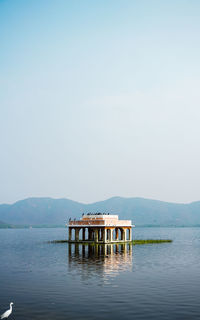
101, 228
102, 259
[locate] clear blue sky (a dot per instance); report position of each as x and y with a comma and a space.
100, 99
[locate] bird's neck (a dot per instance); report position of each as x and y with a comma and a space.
10, 307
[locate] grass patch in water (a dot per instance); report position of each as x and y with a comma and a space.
149, 241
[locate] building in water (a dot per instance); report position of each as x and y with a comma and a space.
100, 228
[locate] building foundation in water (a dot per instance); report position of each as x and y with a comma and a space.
100, 228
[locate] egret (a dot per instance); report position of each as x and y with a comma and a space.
8, 312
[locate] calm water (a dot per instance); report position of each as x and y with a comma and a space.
56, 281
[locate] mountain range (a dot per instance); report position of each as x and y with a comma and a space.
48, 211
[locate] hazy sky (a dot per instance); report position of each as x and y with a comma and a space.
100, 99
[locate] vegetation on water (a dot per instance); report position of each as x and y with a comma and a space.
149, 241
134, 242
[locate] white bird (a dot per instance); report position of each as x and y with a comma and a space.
8, 312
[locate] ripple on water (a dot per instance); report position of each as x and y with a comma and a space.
53, 281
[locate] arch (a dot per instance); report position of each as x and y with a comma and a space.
86, 234
120, 234
73, 234
127, 234
116, 234
81, 234
91, 234
77, 230
100, 234
108, 234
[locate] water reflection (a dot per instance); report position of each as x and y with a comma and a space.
104, 261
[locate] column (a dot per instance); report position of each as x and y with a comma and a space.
99, 234
96, 235
70, 234
77, 234
123, 234
130, 234
104, 235
83, 234
89, 234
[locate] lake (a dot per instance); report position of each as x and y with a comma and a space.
59, 281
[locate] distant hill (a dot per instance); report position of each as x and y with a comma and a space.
48, 211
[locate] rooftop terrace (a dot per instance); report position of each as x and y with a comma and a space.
100, 219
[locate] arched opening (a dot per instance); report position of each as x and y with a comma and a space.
100, 235
81, 234
77, 231
108, 235
127, 234
120, 234
73, 234
86, 233
114, 234
91, 234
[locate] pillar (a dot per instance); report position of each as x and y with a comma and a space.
70, 234
104, 235
89, 234
123, 234
96, 235
99, 234
83, 234
130, 234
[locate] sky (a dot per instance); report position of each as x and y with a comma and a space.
100, 99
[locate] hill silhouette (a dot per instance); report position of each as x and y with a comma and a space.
38, 211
